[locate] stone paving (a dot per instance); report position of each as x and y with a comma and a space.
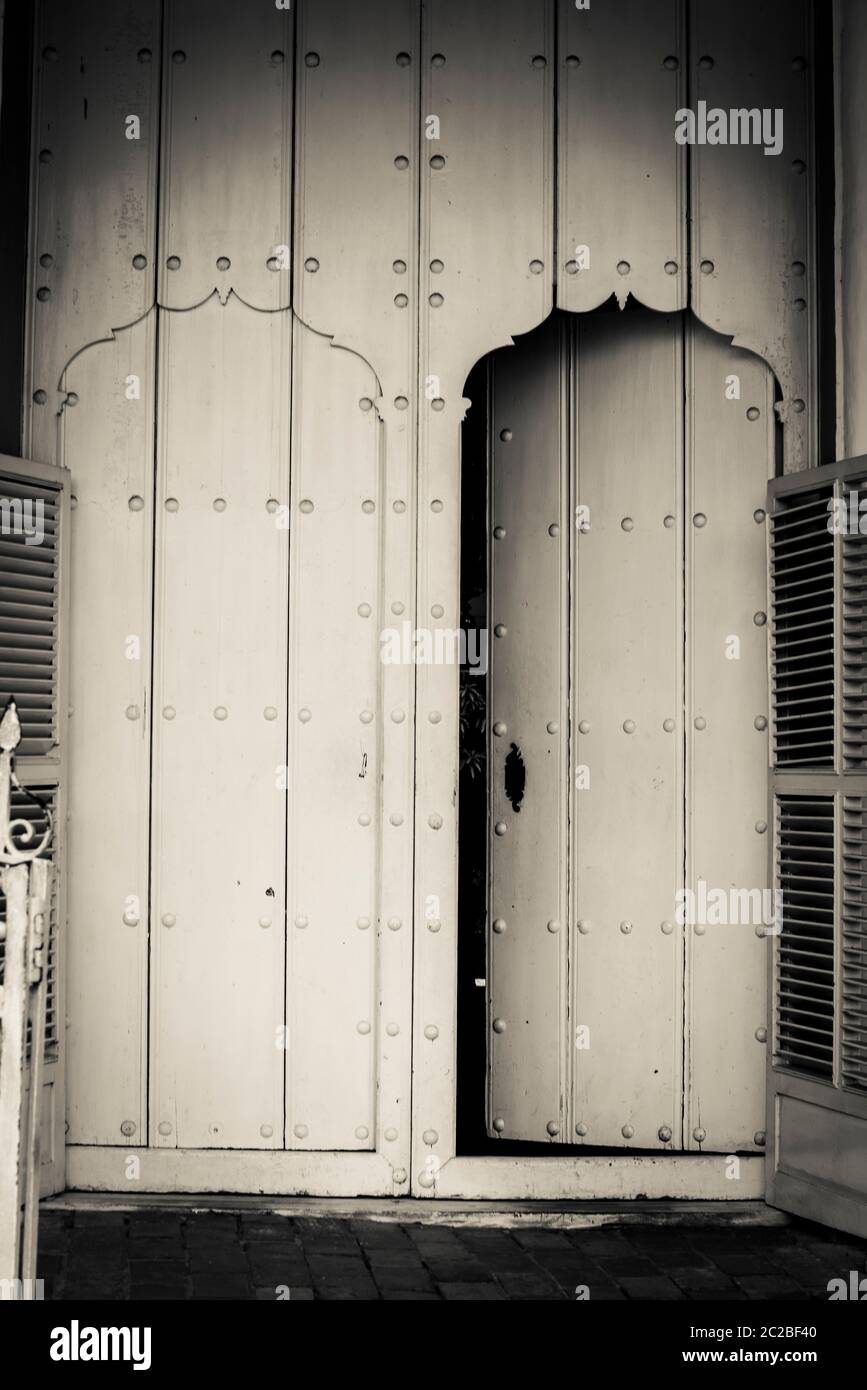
153, 1254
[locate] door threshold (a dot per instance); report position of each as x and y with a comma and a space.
436, 1212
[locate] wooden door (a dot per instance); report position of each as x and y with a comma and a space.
628, 679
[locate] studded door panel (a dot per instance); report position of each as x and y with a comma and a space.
107, 442
528, 728
220, 712
96, 126
486, 263
730, 454
622, 76
227, 154
753, 268
335, 824
627, 627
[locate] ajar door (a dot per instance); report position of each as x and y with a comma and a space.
817, 1079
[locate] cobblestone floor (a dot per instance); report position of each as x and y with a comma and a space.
152, 1254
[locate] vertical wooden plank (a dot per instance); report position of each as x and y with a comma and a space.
485, 274
91, 257
627, 727
220, 728
336, 923
357, 279
851, 267
753, 263
528, 731
227, 154
107, 445
730, 456
622, 177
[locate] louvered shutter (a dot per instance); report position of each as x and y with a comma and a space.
34, 508
817, 1093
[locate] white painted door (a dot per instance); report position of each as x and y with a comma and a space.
817, 1077
34, 513
628, 685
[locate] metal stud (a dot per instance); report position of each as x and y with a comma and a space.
269, 712
264, 923
670, 267
581, 1129
368, 506
434, 717
499, 1124
301, 1131
668, 521
139, 262
311, 60
430, 1137
305, 506
219, 504
392, 1029
437, 267
434, 925
397, 607
391, 1135
626, 928
500, 827
362, 923
627, 1131
223, 263
400, 402
362, 1132
301, 921
437, 161
553, 529
753, 412
172, 504
499, 1025
164, 1127
499, 925
266, 1131
399, 1175
627, 524
700, 928
399, 506
629, 726
366, 716
431, 1032
761, 827
435, 301
311, 265
168, 919
305, 716
699, 520
394, 924
221, 713
761, 1035
435, 821
553, 927
133, 712
169, 712
362, 1027
499, 533
664, 1134
396, 818
668, 725
760, 619
759, 515
623, 267
666, 928
135, 503
131, 918
364, 819
552, 726
40, 397
759, 1138
436, 505
700, 722
536, 267
437, 610
397, 716
584, 726
707, 267
128, 1128
500, 630
760, 723
401, 301
552, 1128
584, 926
699, 1134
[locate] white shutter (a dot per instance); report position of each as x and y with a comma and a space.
818, 1066
33, 531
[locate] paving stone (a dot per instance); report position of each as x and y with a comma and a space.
767, 1286
409, 1296
147, 1293
476, 1292
529, 1286
451, 1271
158, 1271
657, 1288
